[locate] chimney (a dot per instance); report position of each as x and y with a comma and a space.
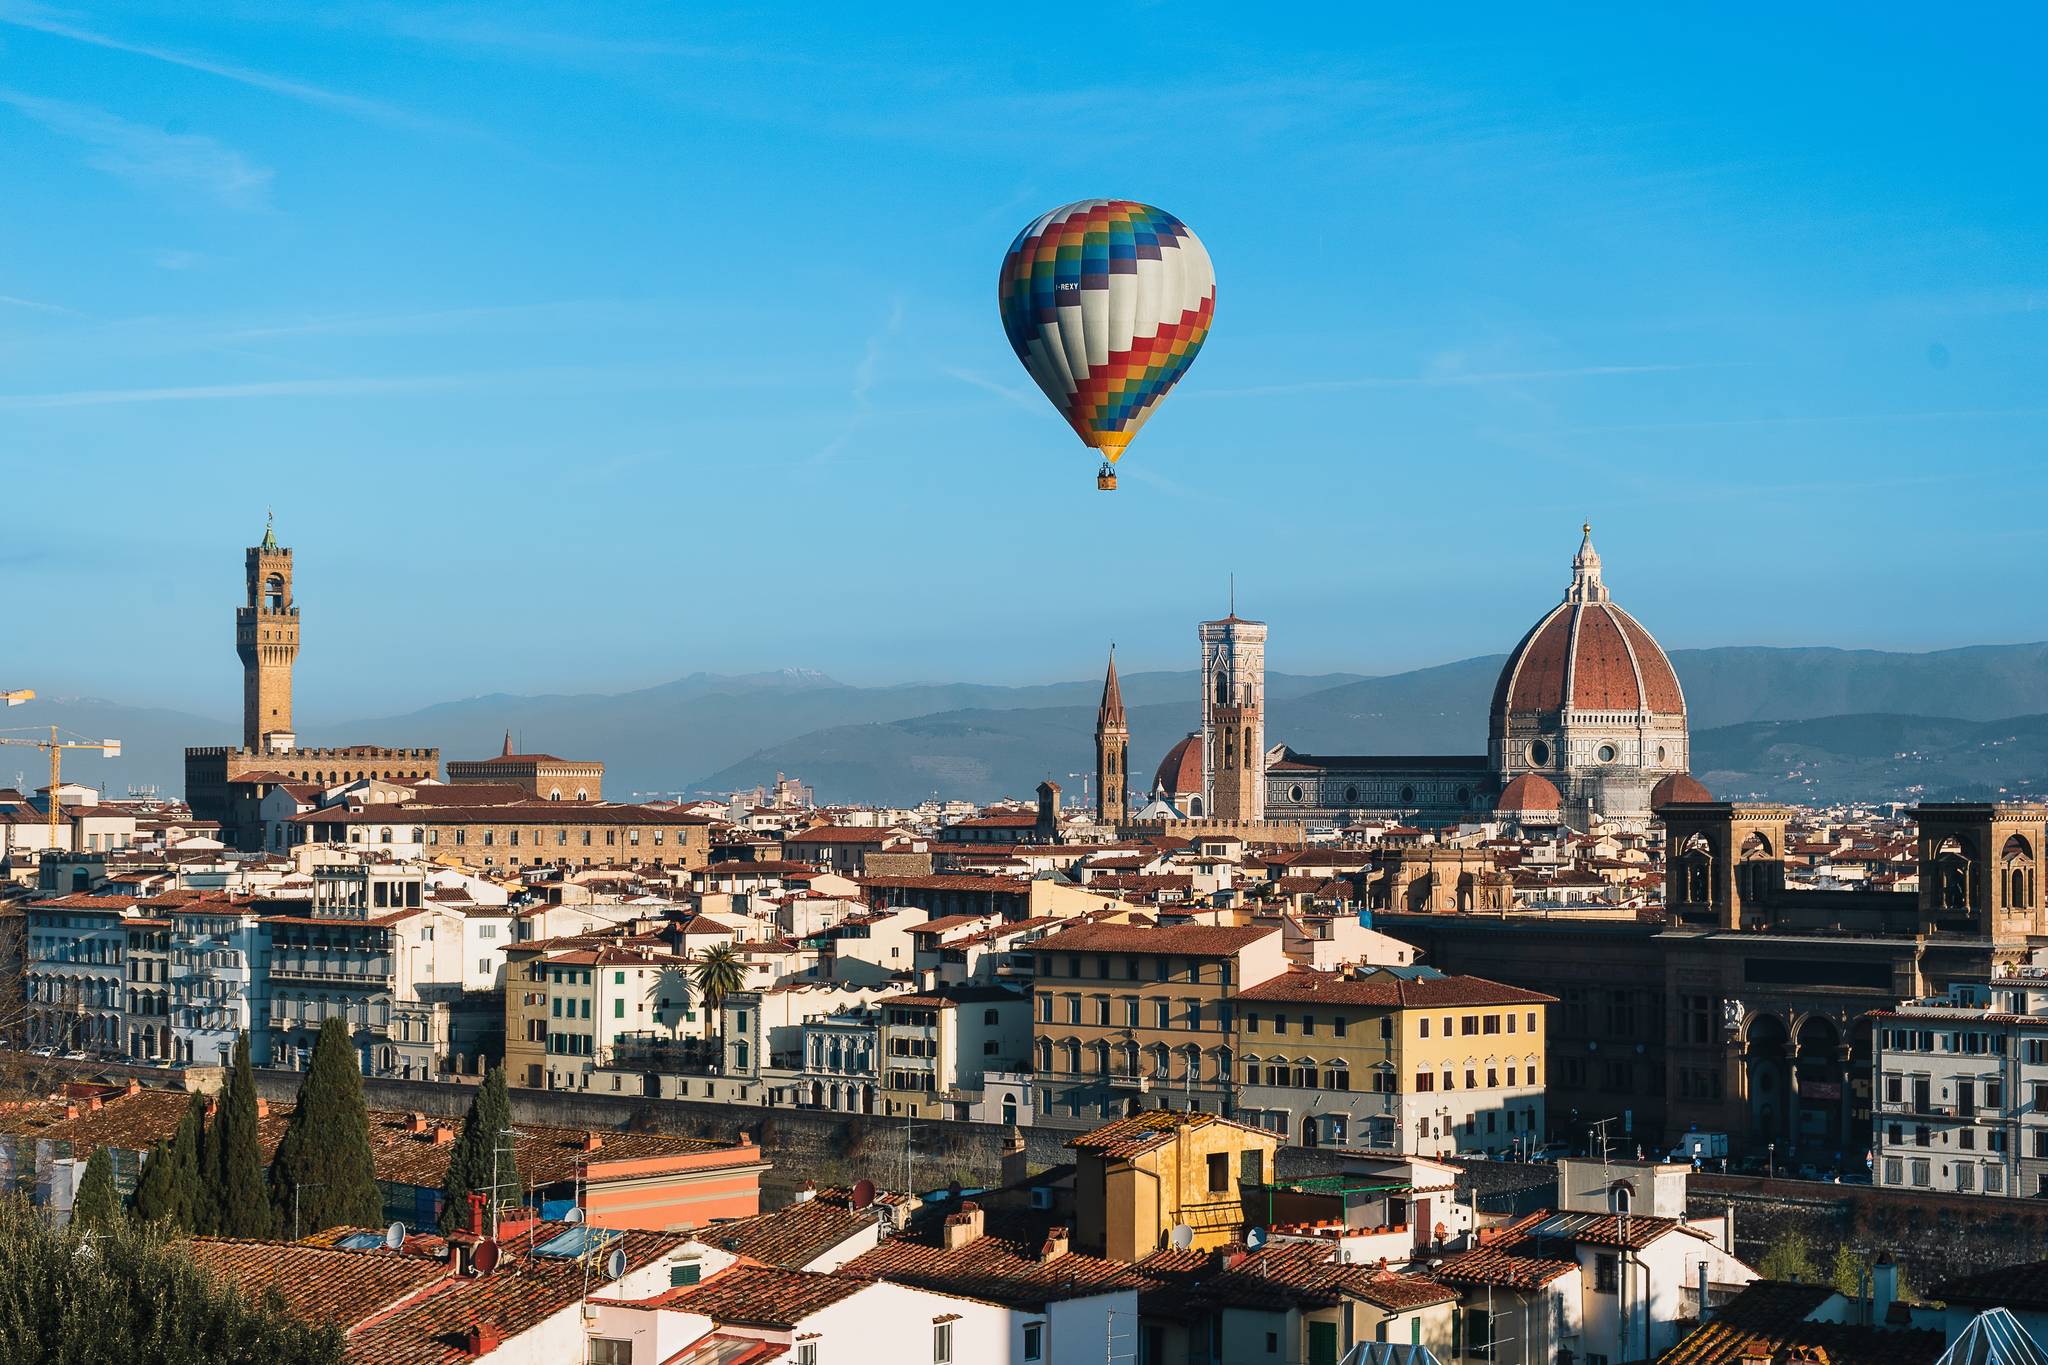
1884, 1289
476, 1215
92, 1105
262, 1107
71, 1109
482, 1338
1703, 1310
1728, 1229
963, 1227
592, 1142
134, 1086
1015, 1168
443, 1134
1055, 1244
807, 1193
415, 1122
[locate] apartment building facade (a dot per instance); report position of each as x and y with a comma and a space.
1399, 1059
1128, 1017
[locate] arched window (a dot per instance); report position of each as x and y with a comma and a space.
1222, 687
1072, 1056
384, 835
273, 593
1337, 1075
1251, 1071
1045, 1054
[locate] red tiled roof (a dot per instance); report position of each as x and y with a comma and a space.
1769, 1317
1004, 1265
1136, 1134
1684, 787
1530, 792
1290, 1273
1180, 772
2021, 1287
319, 1283
1388, 990
762, 1295
1180, 940
796, 1234
1601, 652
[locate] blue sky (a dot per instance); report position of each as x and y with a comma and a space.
582, 347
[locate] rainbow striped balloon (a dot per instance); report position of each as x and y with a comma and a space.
1106, 302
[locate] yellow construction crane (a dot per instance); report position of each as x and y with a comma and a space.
18, 696
55, 747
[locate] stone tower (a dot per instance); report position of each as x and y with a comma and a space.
1112, 753
1234, 717
267, 639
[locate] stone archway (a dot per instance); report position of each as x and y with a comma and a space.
1767, 1067
1821, 1076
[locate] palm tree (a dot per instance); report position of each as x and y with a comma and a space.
718, 972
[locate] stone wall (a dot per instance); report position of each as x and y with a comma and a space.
1932, 1236
829, 1148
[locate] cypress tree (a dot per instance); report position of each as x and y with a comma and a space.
186, 1208
241, 1203
96, 1204
156, 1187
325, 1154
480, 1156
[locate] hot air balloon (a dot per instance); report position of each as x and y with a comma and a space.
1106, 301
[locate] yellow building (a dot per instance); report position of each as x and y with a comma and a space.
1138, 1178
1398, 1059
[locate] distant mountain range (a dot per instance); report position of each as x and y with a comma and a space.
1804, 724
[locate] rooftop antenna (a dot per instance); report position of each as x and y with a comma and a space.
1233, 593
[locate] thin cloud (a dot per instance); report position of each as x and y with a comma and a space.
37, 306
864, 374
1020, 397
1815, 419
150, 156
195, 393
1450, 379
39, 21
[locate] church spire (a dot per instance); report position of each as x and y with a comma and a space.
1112, 711
269, 531
1586, 584
506, 752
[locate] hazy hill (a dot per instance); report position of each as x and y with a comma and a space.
719, 732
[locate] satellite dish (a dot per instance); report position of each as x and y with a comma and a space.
863, 1194
574, 1215
1255, 1239
1182, 1237
485, 1257
615, 1264
394, 1237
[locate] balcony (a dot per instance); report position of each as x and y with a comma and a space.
1139, 1085
330, 974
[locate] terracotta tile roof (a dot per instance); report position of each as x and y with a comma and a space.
1181, 940
320, 1283
1180, 772
1121, 1139
1003, 1265
522, 1292
1285, 1274
2021, 1287
940, 881
762, 1295
1510, 1259
1769, 1317
796, 1234
1388, 990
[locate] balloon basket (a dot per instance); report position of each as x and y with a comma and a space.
1105, 478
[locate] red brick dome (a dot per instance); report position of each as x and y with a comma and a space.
1587, 654
1180, 772
1678, 787
1530, 793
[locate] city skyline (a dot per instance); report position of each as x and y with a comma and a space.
367, 265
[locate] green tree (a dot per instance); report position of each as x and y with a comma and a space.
1789, 1257
1846, 1273
131, 1296
240, 1201
168, 1190
481, 1157
323, 1174
97, 1204
718, 972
